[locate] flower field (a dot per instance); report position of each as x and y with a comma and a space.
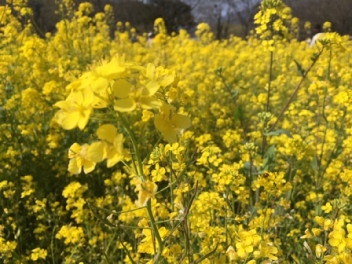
175, 150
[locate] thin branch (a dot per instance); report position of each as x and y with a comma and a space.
289, 101
207, 255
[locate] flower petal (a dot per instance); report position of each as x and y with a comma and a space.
121, 88
96, 151
181, 121
107, 132
149, 103
125, 105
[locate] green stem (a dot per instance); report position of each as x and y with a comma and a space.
139, 173
171, 180
267, 107
127, 252
167, 187
142, 176
52, 245
156, 232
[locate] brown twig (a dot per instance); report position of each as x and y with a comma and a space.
295, 91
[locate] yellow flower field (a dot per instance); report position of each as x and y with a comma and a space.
182, 150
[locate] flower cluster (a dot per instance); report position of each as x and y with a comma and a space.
176, 149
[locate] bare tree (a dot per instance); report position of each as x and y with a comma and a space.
226, 16
337, 12
245, 11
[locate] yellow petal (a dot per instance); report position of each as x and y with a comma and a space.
168, 132
151, 88
111, 70
100, 85
334, 242
88, 166
63, 104
107, 132
68, 120
86, 98
96, 151
181, 121
125, 105
146, 191
231, 253
75, 166
349, 228
167, 80
150, 103
118, 142
74, 150
84, 118
114, 159
150, 71
121, 88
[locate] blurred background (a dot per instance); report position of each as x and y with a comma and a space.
226, 17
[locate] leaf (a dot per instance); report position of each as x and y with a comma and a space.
301, 71
279, 132
247, 166
315, 56
270, 153
269, 158
218, 71
314, 163
235, 92
238, 113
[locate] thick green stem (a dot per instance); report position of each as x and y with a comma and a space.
140, 174
156, 232
267, 107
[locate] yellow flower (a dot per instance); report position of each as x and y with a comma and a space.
75, 110
266, 250
146, 245
130, 95
316, 231
147, 115
337, 236
112, 143
38, 253
319, 250
146, 190
113, 69
231, 253
78, 159
327, 208
70, 234
307, 234
170, 124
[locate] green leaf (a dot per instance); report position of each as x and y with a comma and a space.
269, 158
219, 71
314, 163
270, 152
279, 132
235, 92
315, 56
300, 69
247, 165
238, 113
